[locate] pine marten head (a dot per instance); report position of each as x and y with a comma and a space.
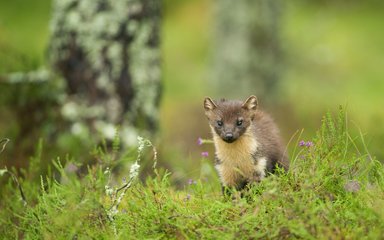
230, 119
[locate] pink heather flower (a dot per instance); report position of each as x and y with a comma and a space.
199, 141
71, 168
191, 181
204, 154
187, 197
305, 144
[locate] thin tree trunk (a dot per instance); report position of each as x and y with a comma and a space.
247, 57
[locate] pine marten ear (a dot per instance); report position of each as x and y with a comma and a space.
209, 104
251, 103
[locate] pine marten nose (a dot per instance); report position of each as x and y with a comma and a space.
228, 136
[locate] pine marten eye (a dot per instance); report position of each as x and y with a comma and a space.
239, 122
219, 123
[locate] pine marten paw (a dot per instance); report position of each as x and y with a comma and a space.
257, 177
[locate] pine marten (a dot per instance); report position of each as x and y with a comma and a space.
247, 142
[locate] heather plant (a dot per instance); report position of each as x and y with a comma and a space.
333, 190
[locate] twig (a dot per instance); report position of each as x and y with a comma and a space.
4, 143
20, 189
23, 198
120, 192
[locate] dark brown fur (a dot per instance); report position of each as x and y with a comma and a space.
268, 135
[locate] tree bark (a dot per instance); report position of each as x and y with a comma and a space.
247, 56
108, 53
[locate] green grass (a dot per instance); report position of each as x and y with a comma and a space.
333, 57
332, 191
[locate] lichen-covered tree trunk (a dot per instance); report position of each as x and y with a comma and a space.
247, 57
108, 53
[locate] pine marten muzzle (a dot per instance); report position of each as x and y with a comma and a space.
247, 141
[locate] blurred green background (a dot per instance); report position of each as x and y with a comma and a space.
333, 55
